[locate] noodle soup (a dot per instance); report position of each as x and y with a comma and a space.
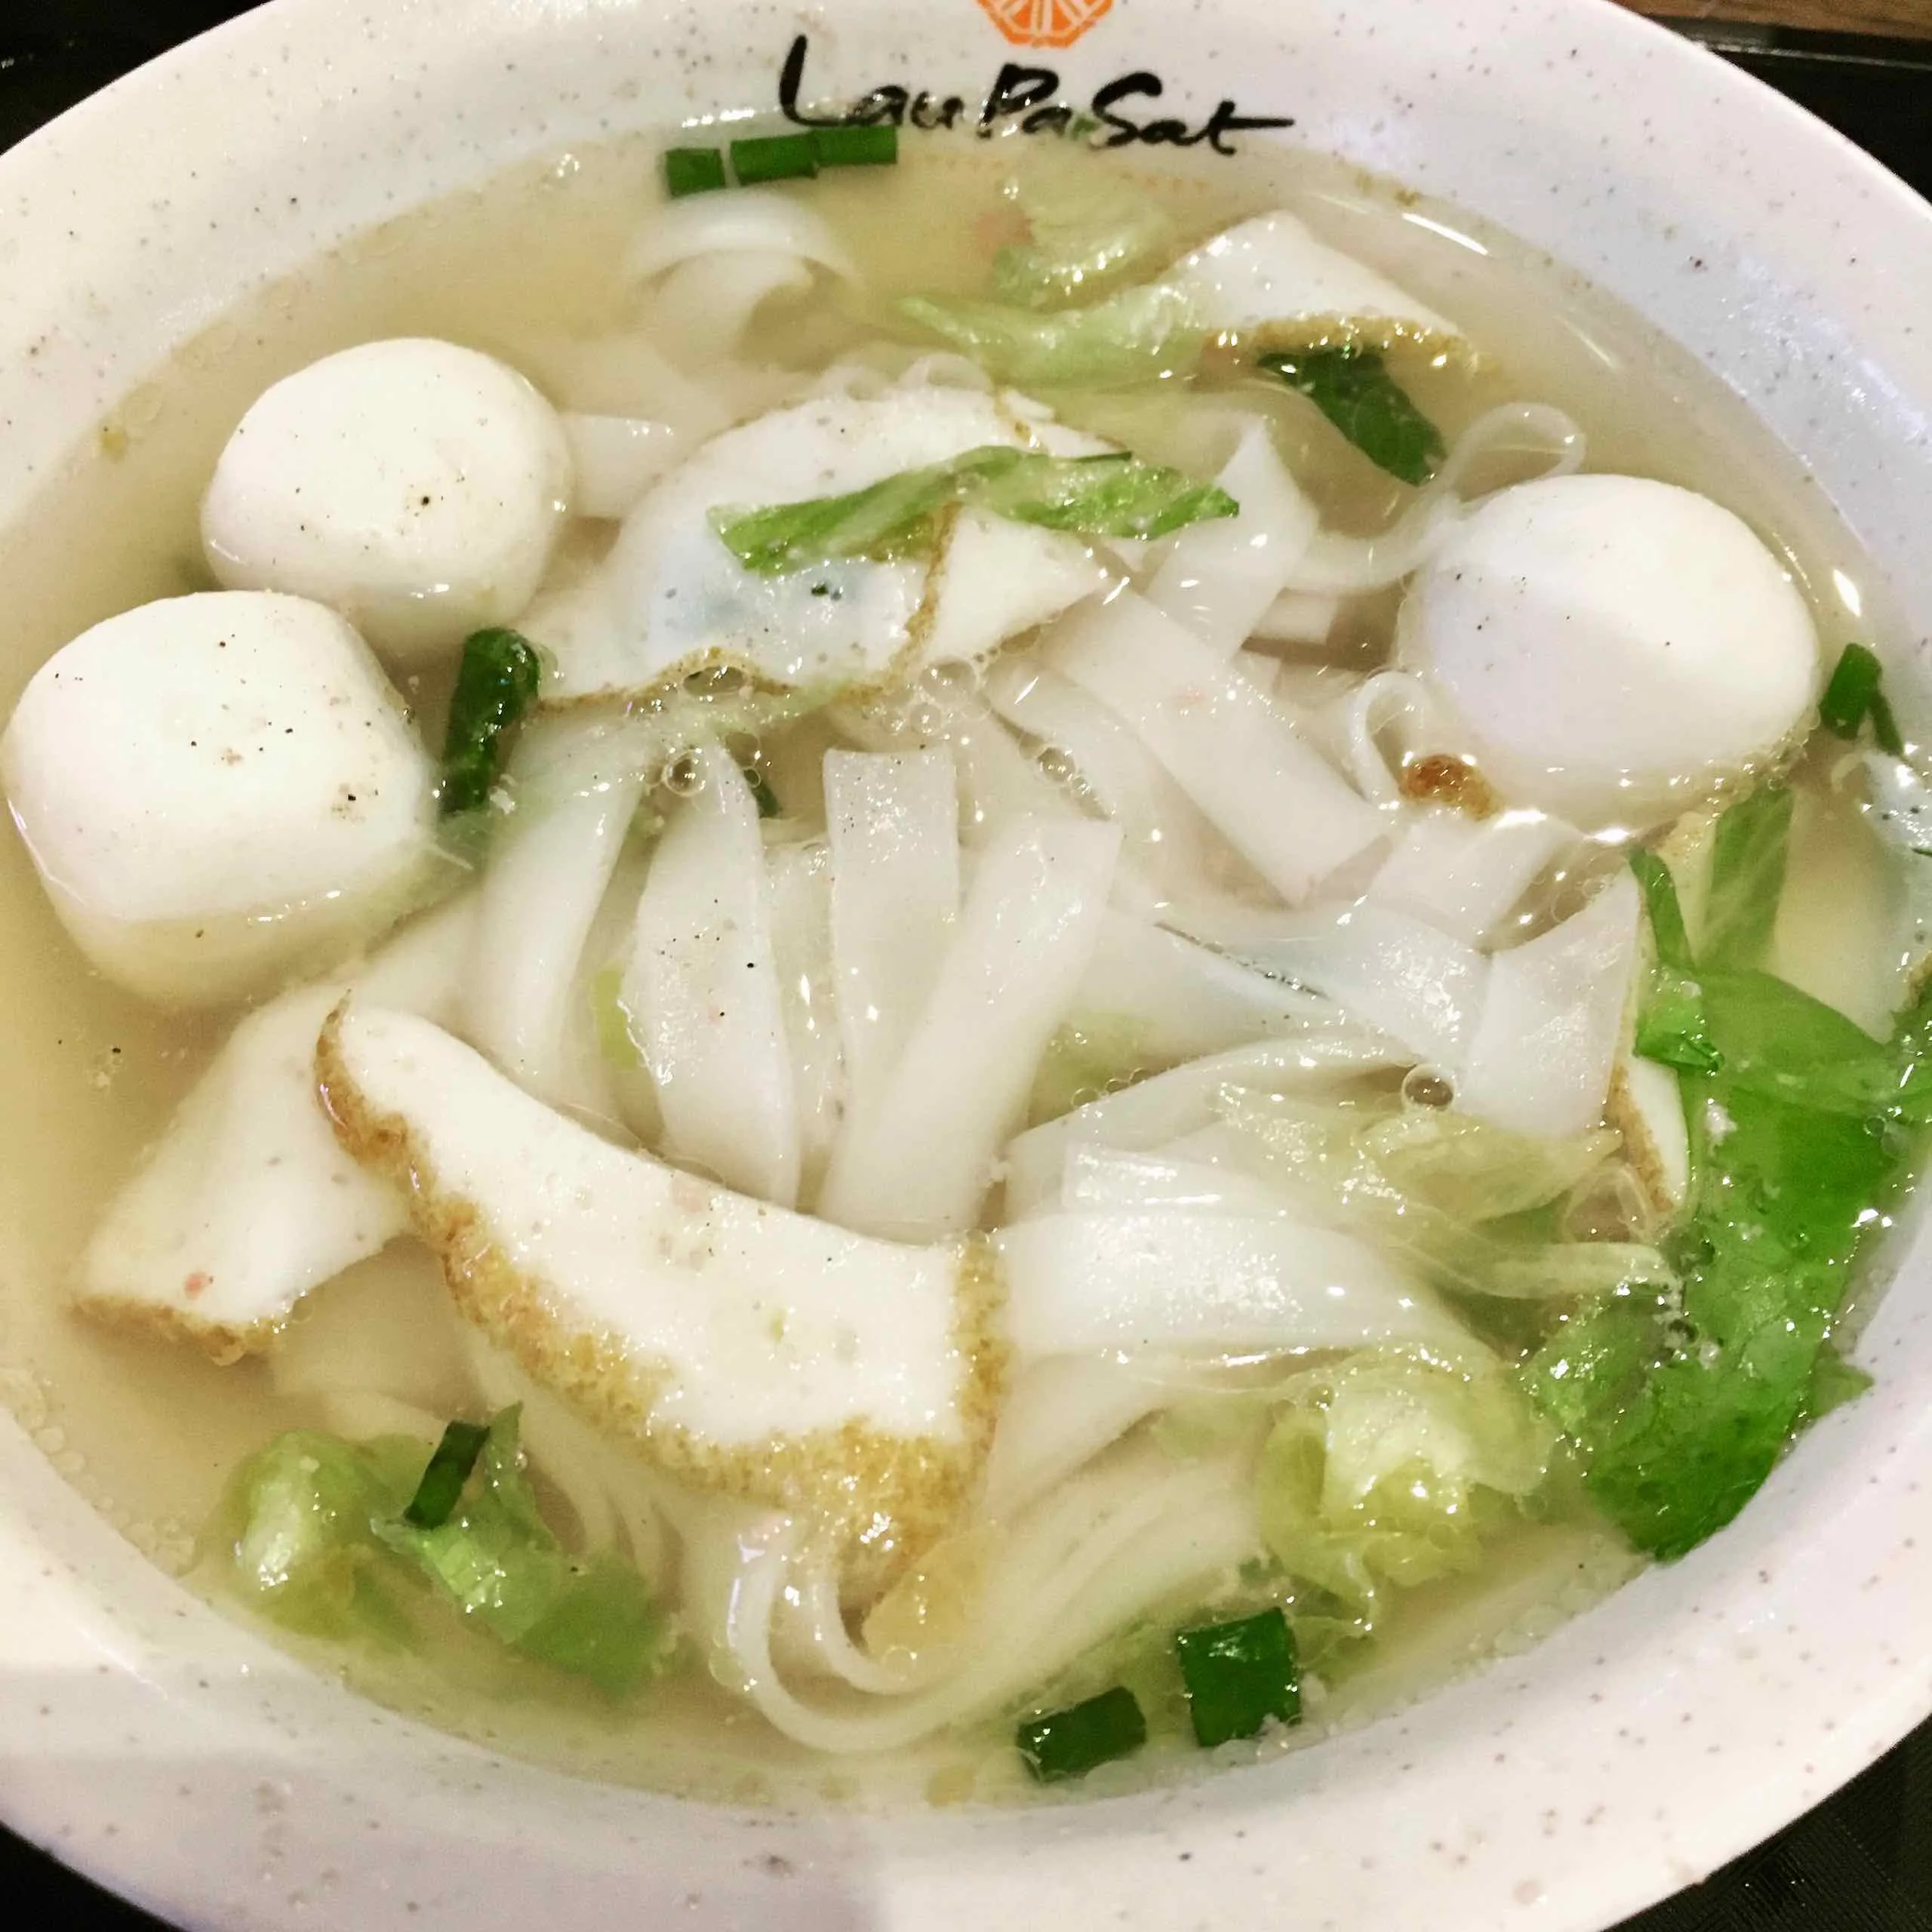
968, 977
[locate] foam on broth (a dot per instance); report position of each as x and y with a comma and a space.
149, 1432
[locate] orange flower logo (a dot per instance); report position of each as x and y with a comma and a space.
1044, 23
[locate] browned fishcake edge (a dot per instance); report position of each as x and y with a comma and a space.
884, 1498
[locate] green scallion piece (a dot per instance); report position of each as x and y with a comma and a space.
495, 686
693, 171
1884, 725
440, 1489
1847, 698
856, 147
1240, 1675
773, 158
1068, 1743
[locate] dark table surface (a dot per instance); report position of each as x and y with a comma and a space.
1863, 1861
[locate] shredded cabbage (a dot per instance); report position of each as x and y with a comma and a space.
1386, 1471
1087, 225
1133, 336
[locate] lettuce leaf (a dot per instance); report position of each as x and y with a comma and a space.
314, 1537
1087, 225
1748, 857
1113, 494
1385, 1472
1132, 336
1672, 1026
497, 1561
1351, 386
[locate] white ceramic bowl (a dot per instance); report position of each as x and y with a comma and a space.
195, 1769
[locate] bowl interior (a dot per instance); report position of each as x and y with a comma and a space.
189, 1765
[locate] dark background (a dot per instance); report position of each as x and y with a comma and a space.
1861, 1862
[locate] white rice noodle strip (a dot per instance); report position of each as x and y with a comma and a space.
1171, 1280
1115, 1180
801, 889
1464, 876
1297, 617
361, 1414
701, 988
892, 821
1058, 1413
702, 308
627, 375
1219, 578
916, 1164
755, 221
386, 1325
1546, 1039
1390, 971
523, 1004
1375, 705
1164, 831
1182, 1000
809, 1629
1171, 1104
998, 578
1270, 794
616, 459
1337, 566
613, 1496
1097, 1554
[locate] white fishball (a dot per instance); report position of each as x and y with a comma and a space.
414, 486
1610, 645
217, 789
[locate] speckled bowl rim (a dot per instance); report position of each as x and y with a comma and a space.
203, 1775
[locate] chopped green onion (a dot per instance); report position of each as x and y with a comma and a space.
441, 1487
1848, 696
693, 171
1068, 1743
496, 684
856, 147
1855, 692
1354, 390
773, 158
1238, 1675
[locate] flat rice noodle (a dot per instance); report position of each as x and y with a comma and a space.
892, 821
800, 885
1179, 1102
1164, 833
1297, 617
1116, 1180
1464, 876
1220, 578
1059, 1413
616, 459
627, 375
1272, 797
757, 220
702, 308
1180, 1000
998, 579
1551, 1019
1397, 974
702, 989
1170, 1280
916, 1164
385, 1327
549, 866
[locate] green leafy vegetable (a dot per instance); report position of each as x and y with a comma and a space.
1111, 495
693, 171
1087, 225
499, 1563
1855, 692
437, 1494
496, 685
1238, 1675
1351, 386
1132, 336
1671, 1025
296, 1528
1386, 1470
1068, 1743
315, 1531
1748, 855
